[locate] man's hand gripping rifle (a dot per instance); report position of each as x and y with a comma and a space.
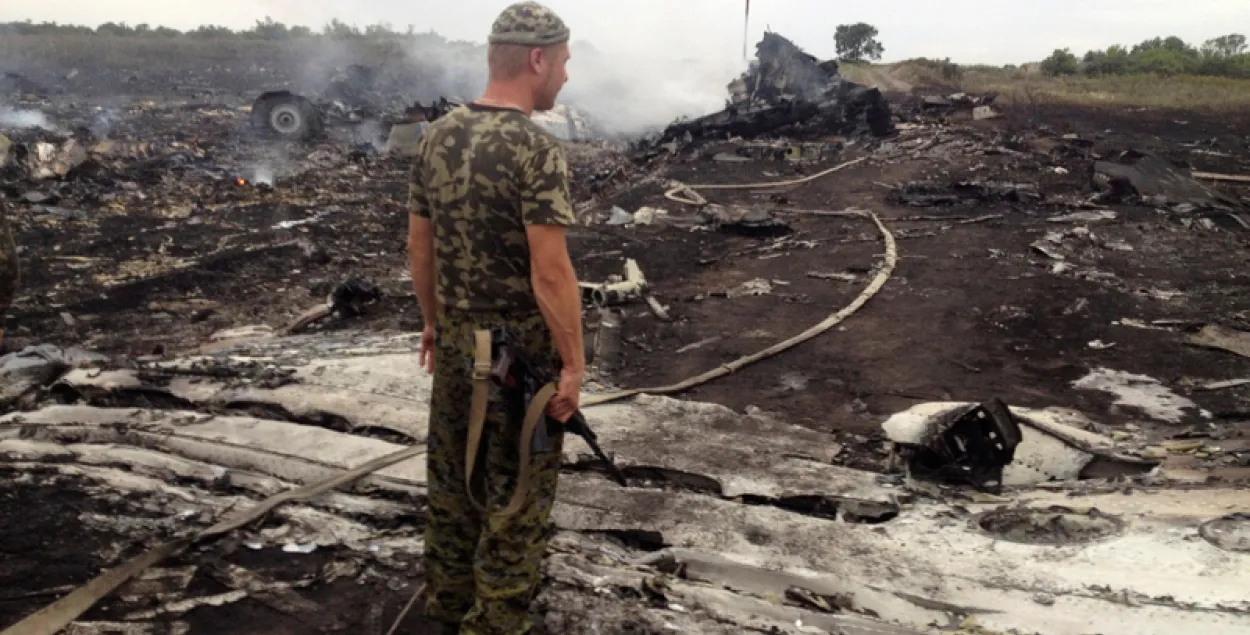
511, 369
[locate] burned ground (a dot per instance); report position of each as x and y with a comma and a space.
1013, 282
972, 309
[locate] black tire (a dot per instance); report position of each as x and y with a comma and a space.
287, 116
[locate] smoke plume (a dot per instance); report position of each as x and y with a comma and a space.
21, 119
630, 95
622, 95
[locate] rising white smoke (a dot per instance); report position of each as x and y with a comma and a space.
635, 94
21, 119
623, 95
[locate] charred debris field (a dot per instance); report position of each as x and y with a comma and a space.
1037, 337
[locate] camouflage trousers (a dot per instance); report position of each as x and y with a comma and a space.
483, 571
8, 270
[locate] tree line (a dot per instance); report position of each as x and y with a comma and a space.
266, 29
1224, 56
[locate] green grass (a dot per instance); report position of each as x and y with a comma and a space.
1031, 87
1180, 92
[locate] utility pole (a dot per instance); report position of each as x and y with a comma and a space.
746, 26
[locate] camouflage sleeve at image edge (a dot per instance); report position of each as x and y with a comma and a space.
545, 196
8, 267
417, 202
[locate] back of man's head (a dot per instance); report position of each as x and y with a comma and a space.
519, 29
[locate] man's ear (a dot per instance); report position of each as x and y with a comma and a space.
537, 60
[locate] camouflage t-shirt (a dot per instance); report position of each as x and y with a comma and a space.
8, 265
481, 174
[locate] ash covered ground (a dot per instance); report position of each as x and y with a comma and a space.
1047, 256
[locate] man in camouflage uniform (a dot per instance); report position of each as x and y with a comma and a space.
8, 268
488, 206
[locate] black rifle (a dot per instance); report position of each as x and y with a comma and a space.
512, 369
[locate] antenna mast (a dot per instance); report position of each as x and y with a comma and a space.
746, 25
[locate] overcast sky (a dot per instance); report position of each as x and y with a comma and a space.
968, 31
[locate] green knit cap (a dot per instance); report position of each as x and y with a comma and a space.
529, 24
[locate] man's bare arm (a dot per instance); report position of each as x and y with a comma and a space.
555, 287
421, 264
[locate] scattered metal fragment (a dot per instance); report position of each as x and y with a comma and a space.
243, 332
658, 309
36, 366
985, 112
699, 344
1222, 338
566, 123
606, 348
754, 222
1212, 176
128, 628
617, 292
1141, 176
1231, 533
44, 160
1084, 216
1052, 445
178, 607
933, 194
758, 286
647, 215
619, 217
823, 603
277, 596
1221, 385
418, 112
348, 299
1141, 392
403, 137
845, 277
162, 584
955, 101
970, 445
1044, 248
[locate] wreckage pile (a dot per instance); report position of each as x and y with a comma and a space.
787, 93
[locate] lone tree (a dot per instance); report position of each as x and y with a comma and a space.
858, 42
1061, 62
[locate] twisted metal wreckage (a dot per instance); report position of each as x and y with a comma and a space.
304, 441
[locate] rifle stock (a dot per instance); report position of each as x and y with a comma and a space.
513, 369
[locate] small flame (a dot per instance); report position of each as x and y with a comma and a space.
241, 181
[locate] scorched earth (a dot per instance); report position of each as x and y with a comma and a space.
1022, 406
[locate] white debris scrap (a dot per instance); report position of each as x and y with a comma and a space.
1142, 392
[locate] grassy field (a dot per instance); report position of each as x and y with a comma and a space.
1180, 92
1029, 86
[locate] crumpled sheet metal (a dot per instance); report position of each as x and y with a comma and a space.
950, 565
372, 386
1154, 179
1053, 447
789, 89
1222, 338
36, 366
46, 160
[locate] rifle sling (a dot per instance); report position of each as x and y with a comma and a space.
477, 422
